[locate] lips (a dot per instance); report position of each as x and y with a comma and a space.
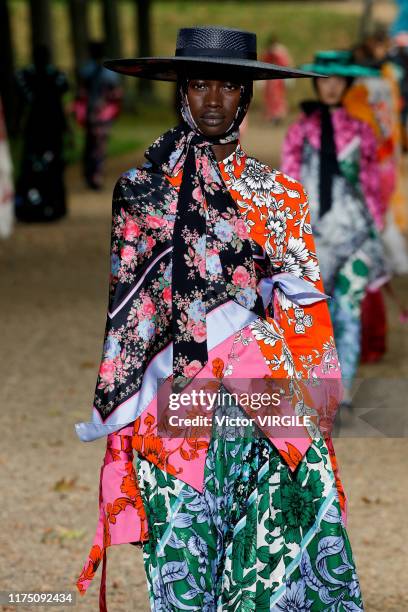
212, 118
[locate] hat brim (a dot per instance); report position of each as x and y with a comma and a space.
350, 70
170, 68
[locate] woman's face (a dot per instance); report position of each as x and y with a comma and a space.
213, 104
331, 89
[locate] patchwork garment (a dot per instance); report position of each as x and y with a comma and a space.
182, 498
349, 246
259, 537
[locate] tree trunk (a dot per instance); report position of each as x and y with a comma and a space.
7, 84
41, 24
144, 37
366, 18
78, 16
111, 26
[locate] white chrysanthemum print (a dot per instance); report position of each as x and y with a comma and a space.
311, 270
265, 331
292, 265
277, 224
297, 247
298, 260
256, 179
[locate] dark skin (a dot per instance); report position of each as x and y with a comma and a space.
213, 105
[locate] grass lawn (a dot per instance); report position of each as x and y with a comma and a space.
302, 26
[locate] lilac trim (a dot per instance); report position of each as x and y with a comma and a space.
296, 289
139, 282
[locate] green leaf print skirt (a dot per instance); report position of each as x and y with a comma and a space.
259, 537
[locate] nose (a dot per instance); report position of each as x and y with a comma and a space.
213, 97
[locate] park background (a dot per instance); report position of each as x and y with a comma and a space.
53, 287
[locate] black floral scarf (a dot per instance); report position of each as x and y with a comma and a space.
203, 201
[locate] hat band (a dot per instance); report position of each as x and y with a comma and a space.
216, 53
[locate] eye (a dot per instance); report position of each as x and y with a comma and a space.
229, 86
197, 85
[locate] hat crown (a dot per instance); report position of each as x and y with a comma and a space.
334, 56
217, 41
338, 62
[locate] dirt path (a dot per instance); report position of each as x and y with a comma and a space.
54, 295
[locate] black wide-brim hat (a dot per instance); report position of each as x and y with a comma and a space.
208, 50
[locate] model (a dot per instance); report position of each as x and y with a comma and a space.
215, 280
335, 156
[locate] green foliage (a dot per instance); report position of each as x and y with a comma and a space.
303, 27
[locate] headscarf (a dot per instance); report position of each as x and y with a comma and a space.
186, 148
